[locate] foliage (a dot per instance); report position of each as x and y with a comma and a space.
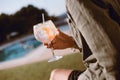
21, 22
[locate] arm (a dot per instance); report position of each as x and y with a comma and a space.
62, 41
100, 32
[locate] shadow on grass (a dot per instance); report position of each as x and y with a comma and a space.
41, 70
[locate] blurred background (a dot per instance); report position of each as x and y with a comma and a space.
17, 18
21, 55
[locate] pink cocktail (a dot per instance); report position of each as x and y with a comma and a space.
45, 32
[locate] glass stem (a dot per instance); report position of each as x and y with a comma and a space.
52, 50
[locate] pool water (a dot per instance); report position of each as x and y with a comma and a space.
18, 49
21, 48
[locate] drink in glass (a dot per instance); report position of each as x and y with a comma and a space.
46, 32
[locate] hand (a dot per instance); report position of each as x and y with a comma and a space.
62, 41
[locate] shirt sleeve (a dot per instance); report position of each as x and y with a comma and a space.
101, 32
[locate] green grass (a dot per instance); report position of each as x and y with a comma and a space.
41, 70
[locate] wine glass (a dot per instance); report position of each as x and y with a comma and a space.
46, 32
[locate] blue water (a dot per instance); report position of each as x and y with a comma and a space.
18, 49
22, 48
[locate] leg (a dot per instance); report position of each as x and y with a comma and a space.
60, 74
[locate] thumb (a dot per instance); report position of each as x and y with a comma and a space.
59, 30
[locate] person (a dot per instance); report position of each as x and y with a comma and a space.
95, 25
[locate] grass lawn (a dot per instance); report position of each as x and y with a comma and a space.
41, 70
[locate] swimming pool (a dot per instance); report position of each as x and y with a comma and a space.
18, 49
22, 47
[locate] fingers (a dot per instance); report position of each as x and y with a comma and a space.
59, 41
51, 45
47, 45
54, 46
58, 30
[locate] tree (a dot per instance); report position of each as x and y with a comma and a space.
22, 21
